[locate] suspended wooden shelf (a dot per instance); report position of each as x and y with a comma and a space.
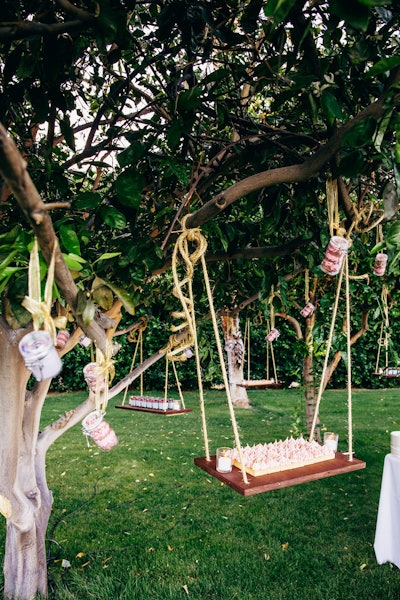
166, 413
260, 383
274, 481
388, 373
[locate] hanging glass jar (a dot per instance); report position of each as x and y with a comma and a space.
334, 255
99, 430
40, 355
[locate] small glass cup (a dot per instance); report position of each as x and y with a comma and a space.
223, 460
331, 440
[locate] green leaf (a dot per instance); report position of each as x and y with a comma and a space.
68, 132
121, 294
103, 297
378, 248
384, 65
88, 312
360, 134
189, 100
72, 263
392, 236
129, 187
383, 125
132, 154
174, 133
69, 239
108, 255
355, 13
397, 146
330, 106
113, 217
278, 9
87, 200
351, 164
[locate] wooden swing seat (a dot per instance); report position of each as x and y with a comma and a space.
388, 373
274, 481
260, 383
166, 413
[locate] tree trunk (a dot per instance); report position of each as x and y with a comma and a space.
25, 500
235, 353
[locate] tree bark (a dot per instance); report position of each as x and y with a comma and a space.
235, 353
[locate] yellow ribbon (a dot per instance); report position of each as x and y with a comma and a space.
105, 370
41, 310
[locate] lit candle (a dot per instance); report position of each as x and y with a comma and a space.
224, 461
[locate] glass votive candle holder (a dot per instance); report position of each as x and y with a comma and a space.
273, 335
334, 255
380, 264
307, 310
93, 377
331, 440
223, 460
40, 355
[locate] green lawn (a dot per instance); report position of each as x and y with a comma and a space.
142, 522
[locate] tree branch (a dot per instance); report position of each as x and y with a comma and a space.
14, 172
292, 173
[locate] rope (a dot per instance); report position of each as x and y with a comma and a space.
137, 337
181, 249
307, 286
246, 342
223, 369
176, 346
178, 385
349, 377
328, 348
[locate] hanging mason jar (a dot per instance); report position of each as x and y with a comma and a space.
40, 355
307, 310
94, 379
380, 264
99, 430
334, 255
61, 339
273, 335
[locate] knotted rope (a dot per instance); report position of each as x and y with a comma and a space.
183, 290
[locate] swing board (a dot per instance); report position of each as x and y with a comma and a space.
388, 373
156, 411
260, 383
274, 481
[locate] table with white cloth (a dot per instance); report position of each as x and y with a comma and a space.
387, 534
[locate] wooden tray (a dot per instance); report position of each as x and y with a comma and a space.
261, 472
337, 466
165, 413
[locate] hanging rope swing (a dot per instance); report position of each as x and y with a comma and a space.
271, 376
388, 370
190, 249
142, 403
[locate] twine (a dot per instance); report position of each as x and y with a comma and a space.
41, 310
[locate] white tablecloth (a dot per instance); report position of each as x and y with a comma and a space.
387, 534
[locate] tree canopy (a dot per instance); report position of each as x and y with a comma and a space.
271, 125
236, 113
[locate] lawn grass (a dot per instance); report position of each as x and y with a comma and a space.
142, 522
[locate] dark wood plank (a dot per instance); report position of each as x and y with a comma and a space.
261, 383
165, 413
274, 481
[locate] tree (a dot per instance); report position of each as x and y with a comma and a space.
130, 116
